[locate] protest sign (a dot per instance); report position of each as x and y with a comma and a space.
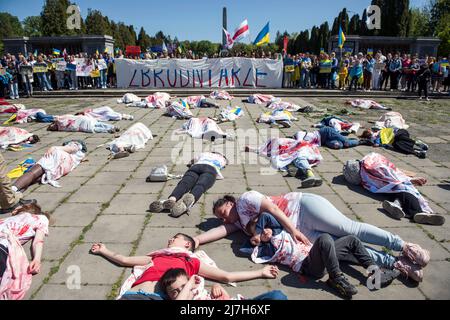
204, 73
83, 69
101, 63
40, 67
61, 66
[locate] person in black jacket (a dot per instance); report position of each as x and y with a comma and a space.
423, 77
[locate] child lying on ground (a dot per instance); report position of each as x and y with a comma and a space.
175, 284
273, 244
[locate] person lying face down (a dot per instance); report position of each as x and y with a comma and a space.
175, 284
273, 244
177, 255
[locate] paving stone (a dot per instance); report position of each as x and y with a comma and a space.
62, 292
38, 278
416, 235
48, 201
68, 184
58, 243
93, 269
436, 282
224, 186
108, 178
75, 214
129, 204
136, 186
375, 215
115, 228
121, 165
93, 193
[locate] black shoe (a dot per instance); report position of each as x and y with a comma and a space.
387, 276
421, 154
17, 205
365, 142
343, 286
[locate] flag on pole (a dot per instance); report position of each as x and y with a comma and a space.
241, 32
164, 47
230, 41
263, 36
180, 48
35, 53
341, 38
96, 51
56, 52
285, 43
64, 53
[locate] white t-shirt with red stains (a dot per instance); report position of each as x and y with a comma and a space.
249, 204
23, 226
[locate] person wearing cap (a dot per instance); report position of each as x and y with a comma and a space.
377, 174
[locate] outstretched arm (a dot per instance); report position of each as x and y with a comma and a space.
215, 234
268, 206
268, 272
36, 250
125, 261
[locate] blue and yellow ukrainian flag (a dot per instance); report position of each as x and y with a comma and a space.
56, 52
341, 38
263, 36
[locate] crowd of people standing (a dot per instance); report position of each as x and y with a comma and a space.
403, 72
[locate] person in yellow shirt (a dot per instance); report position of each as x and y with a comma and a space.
343, 75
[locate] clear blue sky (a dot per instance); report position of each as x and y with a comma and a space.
202, 19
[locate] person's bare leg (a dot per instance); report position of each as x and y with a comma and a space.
29, 178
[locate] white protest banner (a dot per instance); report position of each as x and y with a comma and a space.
61, 66
204, 73
101, 64
83, 69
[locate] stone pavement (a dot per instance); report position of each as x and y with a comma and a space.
107, 201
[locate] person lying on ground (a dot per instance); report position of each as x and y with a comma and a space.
14, 137
204, 128
179, 110
56, 163
378, 175
398, 139
306, 216
201, 176
177, 255
275, 118
27, 222
134, 138
229, 115
273, 244
105, 114
341, 125
72, 123
296, 157
200, 102
176, 284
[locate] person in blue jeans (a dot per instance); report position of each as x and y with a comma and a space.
333, 139
175, 284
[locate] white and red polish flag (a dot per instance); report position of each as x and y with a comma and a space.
230, 41
242, 31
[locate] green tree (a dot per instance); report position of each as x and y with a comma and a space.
419, 23
440, 24
314, 42
32, 26
10, 26
97, 24
144, 40
354, 25
54, 17
341, 20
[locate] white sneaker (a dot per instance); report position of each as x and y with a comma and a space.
394, 209
429, 218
